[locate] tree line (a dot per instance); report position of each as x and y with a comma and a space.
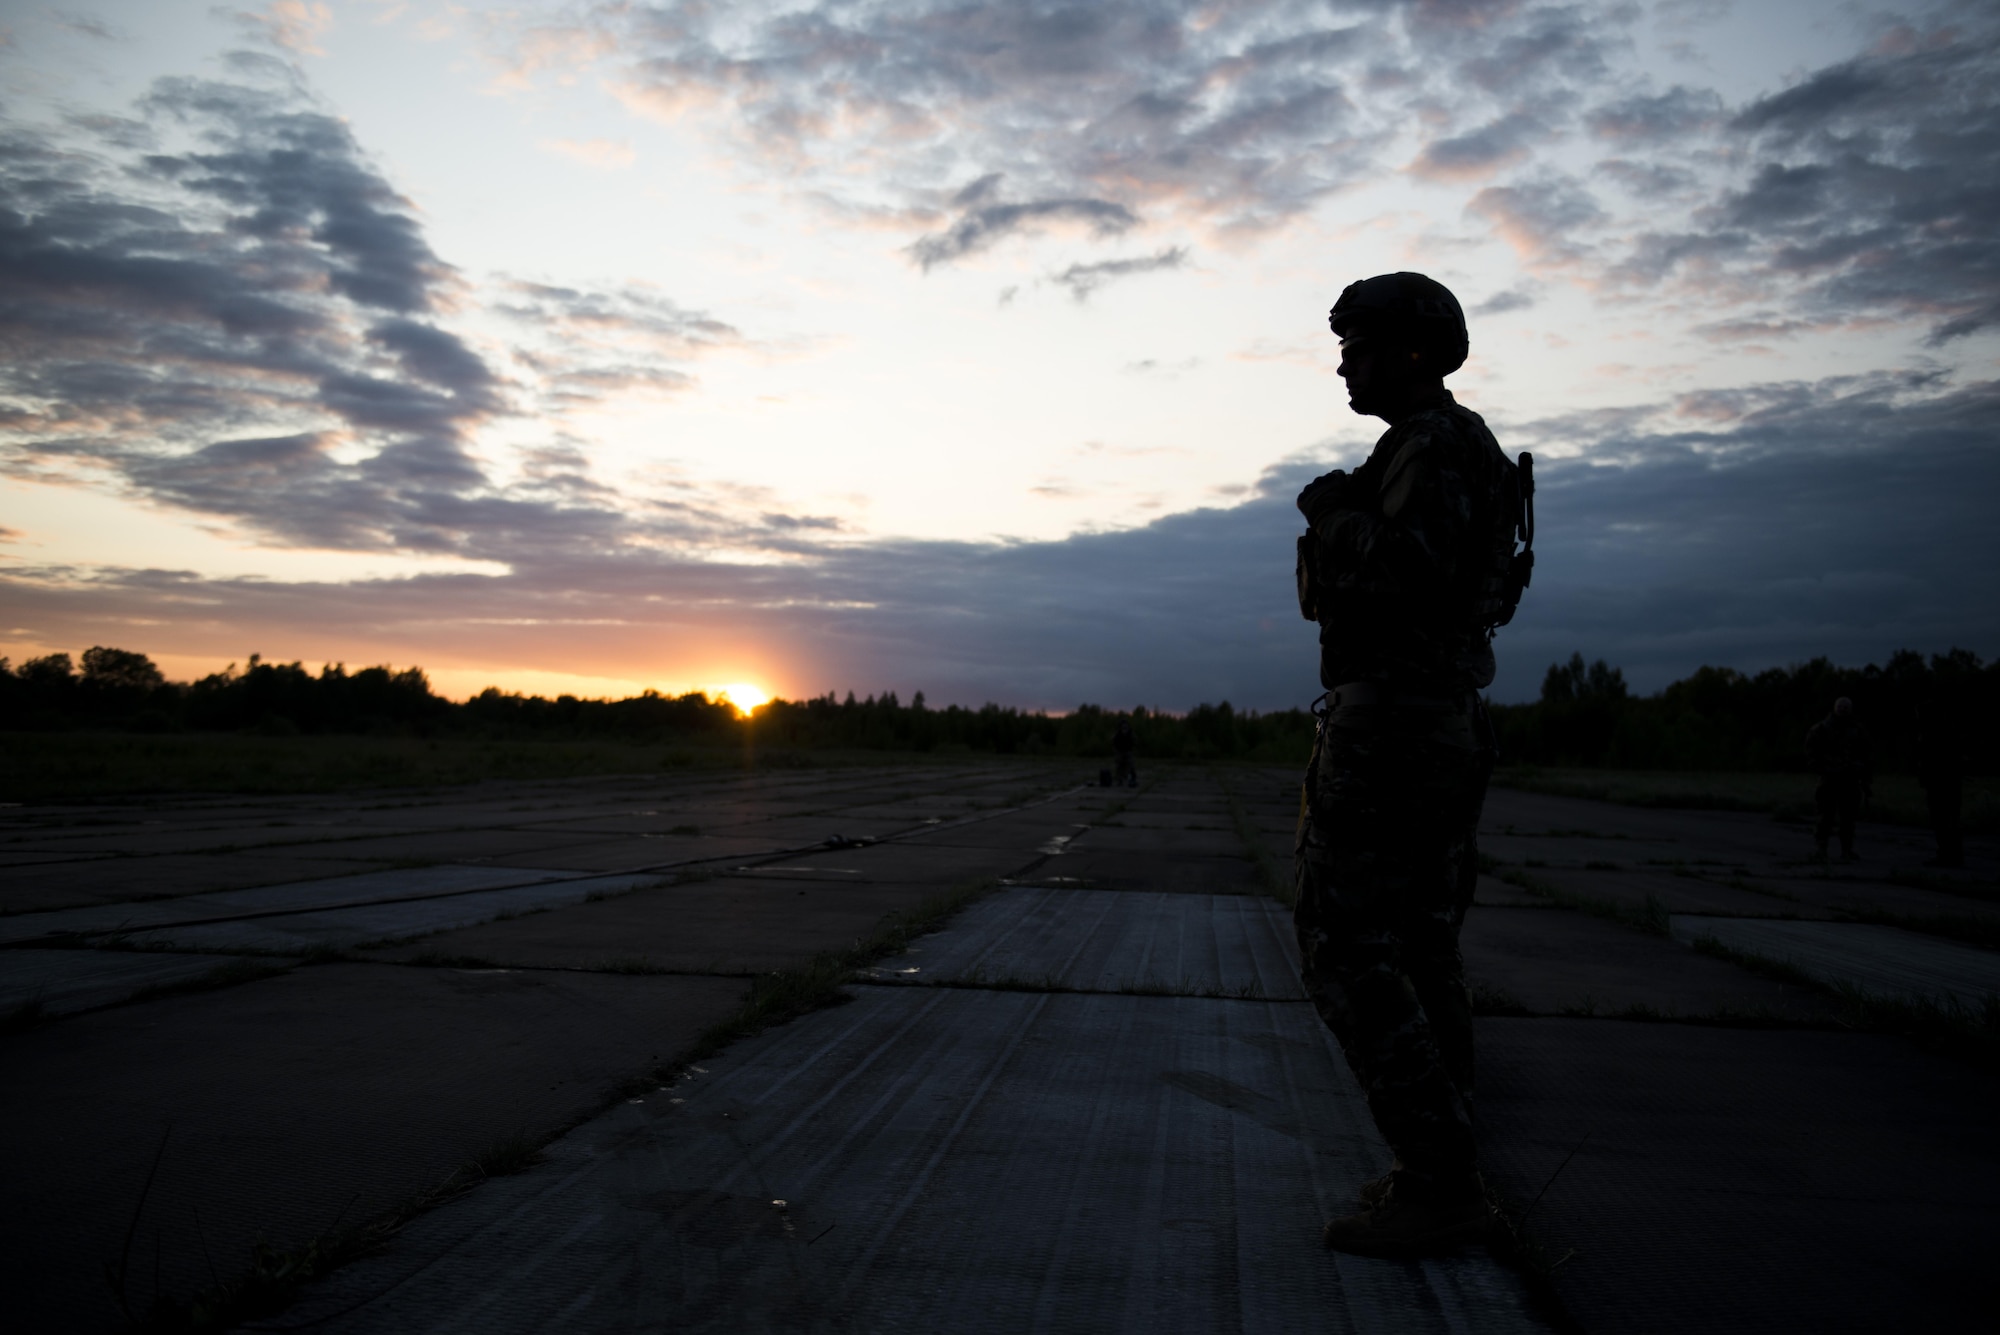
1721, 719
1714, 719
123, 690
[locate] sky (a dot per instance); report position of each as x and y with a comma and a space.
976, 349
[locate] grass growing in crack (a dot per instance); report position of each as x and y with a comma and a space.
227, 974
1963, 887
977, 981
1650, 918
1487, 1000
629, 964
1276, 883
276, 1274
1970, 1031
1969, 928
24, 1017
819, 982
1514, 1244
440, 959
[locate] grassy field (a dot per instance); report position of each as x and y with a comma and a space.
43, 766
1898, 799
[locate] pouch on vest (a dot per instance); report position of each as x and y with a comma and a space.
1521, 566
1307, 574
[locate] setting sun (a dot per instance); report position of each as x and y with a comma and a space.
745, 697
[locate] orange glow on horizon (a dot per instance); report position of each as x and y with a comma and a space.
745, 697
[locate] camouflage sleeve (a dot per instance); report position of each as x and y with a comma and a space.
1412, 546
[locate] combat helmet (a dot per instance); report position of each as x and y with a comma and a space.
1414, 310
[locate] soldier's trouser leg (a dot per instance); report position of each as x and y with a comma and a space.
1384, 869
1944, 798
1826, 811
1848, 796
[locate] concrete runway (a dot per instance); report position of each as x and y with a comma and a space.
1094, 1100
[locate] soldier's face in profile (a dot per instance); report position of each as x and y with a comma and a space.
1376, 378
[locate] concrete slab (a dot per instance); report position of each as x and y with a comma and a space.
1026, 831
298, 933
931, 864
1747, 1181
949, 1160
120, 880
1574, 850
1497, 893
611, 855
1680, 894
61, 982
1555, 962
1883, 960
449, 845
1108, 940
1162, 872
292, 897
1116, 838
727, 925
286, 1105
1836, 893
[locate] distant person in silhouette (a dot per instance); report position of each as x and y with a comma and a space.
1837, 749
1408, 565
1122, 743
1941, 770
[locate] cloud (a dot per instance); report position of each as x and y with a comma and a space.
1869, 190
1745, 528
1478, 153
222, 305
1108, 112
294, 26
1650, 119
1084, 279
984, 221
1500, 303
1544, 219
607, 154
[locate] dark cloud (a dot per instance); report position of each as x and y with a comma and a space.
581, 346
226, 307
1084, 279
1649, 119
1102, 113
1871, 190
1480, 152
1500, 303
983, 223
1743, 528
1544, 218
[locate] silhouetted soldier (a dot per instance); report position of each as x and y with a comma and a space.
1837, 749
1941, 770
1408, 566
1122, 743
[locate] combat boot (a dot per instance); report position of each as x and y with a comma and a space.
1376, 1189
1405, 1224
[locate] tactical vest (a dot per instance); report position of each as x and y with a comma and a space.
1492, 584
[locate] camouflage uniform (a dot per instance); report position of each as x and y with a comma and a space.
1838, 749
1404, 551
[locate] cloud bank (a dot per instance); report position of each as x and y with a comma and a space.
219, 304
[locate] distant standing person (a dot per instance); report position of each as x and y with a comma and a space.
1941, 770
1122, 743
1408, 566
1837, 749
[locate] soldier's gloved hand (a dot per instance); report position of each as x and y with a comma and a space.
1322, 495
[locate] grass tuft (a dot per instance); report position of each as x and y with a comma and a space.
1650, 918
1969, 1031
24, 1017
1276, 883
275, 1275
